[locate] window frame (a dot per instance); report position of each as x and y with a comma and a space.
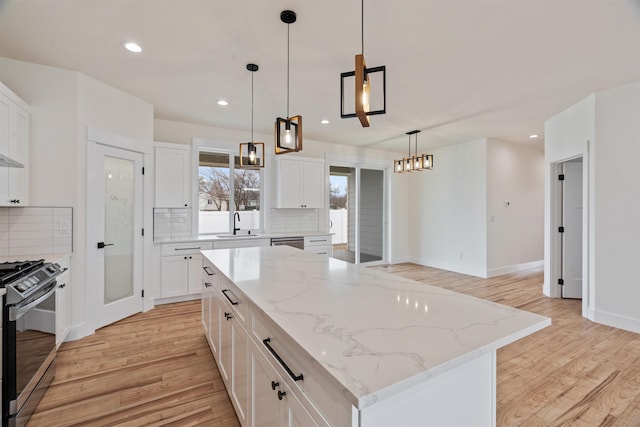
199, 146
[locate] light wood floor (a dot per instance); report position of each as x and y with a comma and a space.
156, 369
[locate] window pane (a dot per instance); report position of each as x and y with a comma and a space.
247, 198
214, 188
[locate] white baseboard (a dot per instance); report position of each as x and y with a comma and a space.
400, 260
79, 331
615, 320
456, 268
514, 268
181, 298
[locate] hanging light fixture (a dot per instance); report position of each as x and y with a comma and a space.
288, 131
413, 163
362, 76
254, 156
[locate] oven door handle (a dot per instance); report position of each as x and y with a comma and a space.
16, 311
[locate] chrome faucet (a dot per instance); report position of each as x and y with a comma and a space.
236, 215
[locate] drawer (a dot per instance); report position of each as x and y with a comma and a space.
317, 241
185, 248
230, 294
251, 242
315, 385
321, 250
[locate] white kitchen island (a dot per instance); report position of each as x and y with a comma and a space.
372, 349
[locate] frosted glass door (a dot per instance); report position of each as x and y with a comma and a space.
118, 228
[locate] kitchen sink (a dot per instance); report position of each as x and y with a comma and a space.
235, 236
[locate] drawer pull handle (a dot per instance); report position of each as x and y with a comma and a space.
281, 394
207, 285
187, 249
224, 291
315, 241
274, 384
295, 377
208, 270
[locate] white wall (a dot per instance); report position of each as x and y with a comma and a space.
616, 198
448, 209
605, 129
515, 207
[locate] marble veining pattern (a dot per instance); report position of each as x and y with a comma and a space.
374, 333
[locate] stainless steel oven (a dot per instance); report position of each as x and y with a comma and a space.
28, 336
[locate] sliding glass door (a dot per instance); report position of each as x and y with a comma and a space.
357, 213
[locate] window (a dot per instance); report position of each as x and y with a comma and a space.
225, 189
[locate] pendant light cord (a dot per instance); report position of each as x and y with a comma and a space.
252, 107
288, 25
362, 26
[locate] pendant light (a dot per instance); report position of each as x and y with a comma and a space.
362, 76
413, 163
254, 157
288, 132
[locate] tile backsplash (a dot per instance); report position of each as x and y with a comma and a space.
294, 220
31, 231
171, 222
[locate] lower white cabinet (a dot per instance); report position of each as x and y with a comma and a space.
273, 401
62, 304
182, 269
261, 392
319, 244
233, 361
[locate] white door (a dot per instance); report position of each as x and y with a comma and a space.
572, 235
114, 233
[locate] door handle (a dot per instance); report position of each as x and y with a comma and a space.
101, 245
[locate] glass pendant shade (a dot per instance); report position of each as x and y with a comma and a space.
398, 166
252, 155
288, 134
427, 161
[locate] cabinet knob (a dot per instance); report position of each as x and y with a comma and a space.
281, 394
228, 316
274, 385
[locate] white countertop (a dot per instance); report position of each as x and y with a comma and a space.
46, 257
375, 334
213, 237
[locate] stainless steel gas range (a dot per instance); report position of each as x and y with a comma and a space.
28, 336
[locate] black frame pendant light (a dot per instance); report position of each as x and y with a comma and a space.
413, 163
254, 157
363, 86
288, 132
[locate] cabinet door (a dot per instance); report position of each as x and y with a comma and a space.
296, 415
224, 360
18, 151
313, 185
240, 378
62, 308
195, 276
172, 178
5, 108
265, 384
289, 183
175, 273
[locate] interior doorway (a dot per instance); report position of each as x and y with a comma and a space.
571, 228
357, 213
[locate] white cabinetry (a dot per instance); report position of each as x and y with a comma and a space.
248, 242
319, 245
62, 303
298, 183
181, 269
210, 306
14, 144
173, 178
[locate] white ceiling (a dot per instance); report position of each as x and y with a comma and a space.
457, 70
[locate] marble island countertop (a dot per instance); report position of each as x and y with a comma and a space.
375, 334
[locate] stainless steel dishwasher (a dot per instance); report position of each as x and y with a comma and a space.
296, 242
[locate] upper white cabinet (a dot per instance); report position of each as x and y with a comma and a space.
14, 145
299, 183
173, 177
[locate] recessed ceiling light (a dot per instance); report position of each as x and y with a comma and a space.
324, 121
223, 102
132, 47
534, 136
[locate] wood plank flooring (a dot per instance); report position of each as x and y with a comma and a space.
155, 369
